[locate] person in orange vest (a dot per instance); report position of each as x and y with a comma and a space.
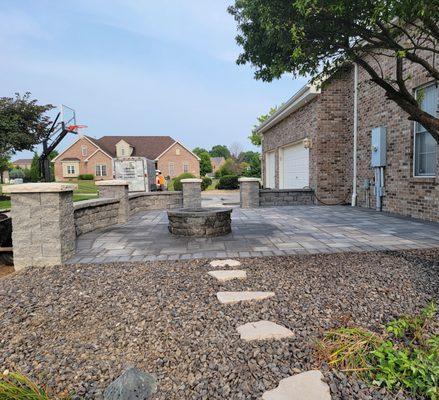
160, 181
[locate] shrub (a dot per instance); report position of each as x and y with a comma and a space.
86, 177
405, 356
228, 182
205, 183
16, 174
177, 181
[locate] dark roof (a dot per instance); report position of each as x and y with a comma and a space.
144, 146
23, 161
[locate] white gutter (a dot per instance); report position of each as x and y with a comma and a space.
299, 99
354, 175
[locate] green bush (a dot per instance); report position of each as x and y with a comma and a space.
16, 174
405, 356
228, 182
86, 177
205, 183
177, 181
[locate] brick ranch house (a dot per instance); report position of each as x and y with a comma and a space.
309, 142
96, 156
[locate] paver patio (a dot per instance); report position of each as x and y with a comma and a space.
259, 232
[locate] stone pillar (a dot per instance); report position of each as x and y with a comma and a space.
249, 192
191, 193
43, 226
116, 189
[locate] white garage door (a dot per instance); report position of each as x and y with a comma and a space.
295, 167
270, 170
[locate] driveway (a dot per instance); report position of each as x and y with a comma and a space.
259, 232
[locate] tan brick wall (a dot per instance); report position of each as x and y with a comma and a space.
100, 158
326, 120
179, 160
75, 151
405, 194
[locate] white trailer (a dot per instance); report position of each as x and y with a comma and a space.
139, 172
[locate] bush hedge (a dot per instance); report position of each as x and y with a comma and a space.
228, 182
177, 181
205, 183
86, 177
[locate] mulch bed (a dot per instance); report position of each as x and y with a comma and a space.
77, 327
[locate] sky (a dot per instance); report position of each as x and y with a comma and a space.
137, 67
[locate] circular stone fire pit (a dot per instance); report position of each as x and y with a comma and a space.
200, 222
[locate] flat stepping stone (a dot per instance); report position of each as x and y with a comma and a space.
225, 263
225, 275
263, 330
236, 297
304, 386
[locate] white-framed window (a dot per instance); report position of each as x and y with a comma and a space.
185, 167
84, 151
71, 169
171, 170
425, 147
101, 170
122, 151
177, 151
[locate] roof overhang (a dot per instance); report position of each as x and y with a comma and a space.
299, 99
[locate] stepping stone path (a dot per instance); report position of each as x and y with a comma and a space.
225, 263
263, 330
225, 275
236, 297
304, 386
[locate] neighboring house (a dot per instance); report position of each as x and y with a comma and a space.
309, 142
23, 163
96, 156
217, 163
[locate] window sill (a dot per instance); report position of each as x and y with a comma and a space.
427, 179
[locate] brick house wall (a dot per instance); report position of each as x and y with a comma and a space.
327, 121
75, 152
179, 157
405, 194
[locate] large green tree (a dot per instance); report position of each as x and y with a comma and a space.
205, 164
199, 150
220, 151
252, 159
255, 136
316, 37
23, 123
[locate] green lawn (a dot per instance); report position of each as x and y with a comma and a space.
86, 190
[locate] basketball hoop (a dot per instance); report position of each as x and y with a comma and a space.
74, 128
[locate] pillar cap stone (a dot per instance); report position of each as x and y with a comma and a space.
45, 187
112, 182
249, 180
191, 180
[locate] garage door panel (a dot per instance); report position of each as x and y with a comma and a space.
295, 167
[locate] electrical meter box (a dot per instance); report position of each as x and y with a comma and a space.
379, 148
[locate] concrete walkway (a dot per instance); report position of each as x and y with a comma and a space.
259, 232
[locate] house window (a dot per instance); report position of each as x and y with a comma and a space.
122, 151
185, 167
84, 151
70, 169
101, 170
425, 146
177, 151
171, 169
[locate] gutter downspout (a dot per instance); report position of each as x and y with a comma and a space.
354, 175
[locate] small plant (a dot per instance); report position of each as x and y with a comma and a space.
15, 386
86, 177
403, 356
177, 181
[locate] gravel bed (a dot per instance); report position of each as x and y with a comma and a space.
77, 327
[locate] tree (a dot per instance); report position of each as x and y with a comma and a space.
199, 150
23, 123
255, 136
205, 164
317, 37
219, 151
35, 175
253, 163
5, 164
235, 150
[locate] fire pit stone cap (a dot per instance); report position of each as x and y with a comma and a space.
112, 182
191, 180
44, 187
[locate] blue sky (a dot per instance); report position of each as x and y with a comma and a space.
133, 67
